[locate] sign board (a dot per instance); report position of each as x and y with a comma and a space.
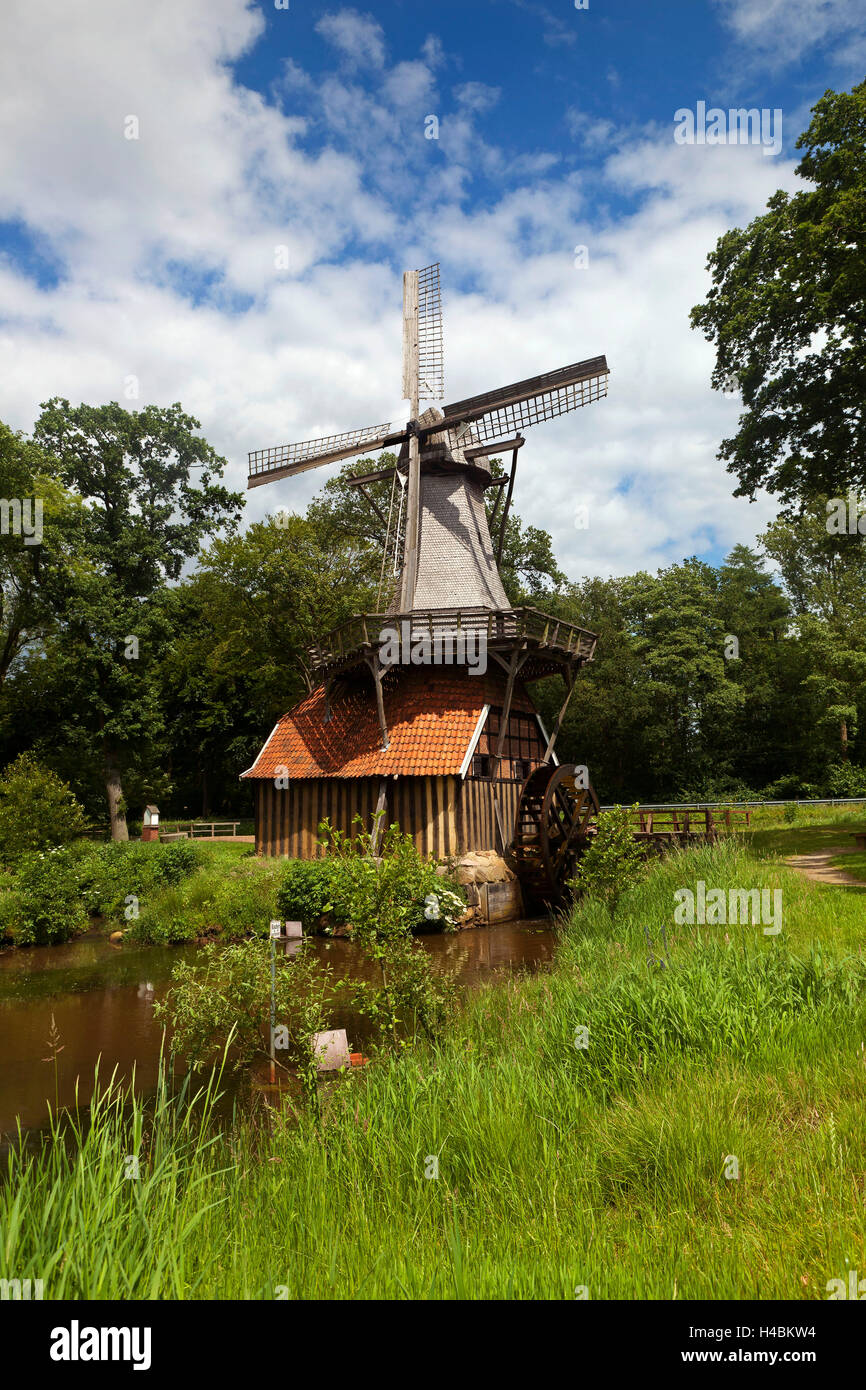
286, 931
332, 1050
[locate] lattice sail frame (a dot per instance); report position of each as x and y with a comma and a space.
431, 352
504, 413
288, 459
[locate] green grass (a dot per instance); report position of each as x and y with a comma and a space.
558, 1166
802, 839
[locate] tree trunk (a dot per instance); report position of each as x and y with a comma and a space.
205, 808
114, 792
844, 734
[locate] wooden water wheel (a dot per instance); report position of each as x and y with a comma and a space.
555, 821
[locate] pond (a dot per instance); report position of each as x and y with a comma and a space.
102, 995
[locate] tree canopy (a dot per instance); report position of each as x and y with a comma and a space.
787, 315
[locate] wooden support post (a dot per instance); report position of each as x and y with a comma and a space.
379, 816
505, 509
570, 683
373, 663
517, 661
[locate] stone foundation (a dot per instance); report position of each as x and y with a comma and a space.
492, 890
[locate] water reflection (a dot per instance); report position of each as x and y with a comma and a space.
102, 996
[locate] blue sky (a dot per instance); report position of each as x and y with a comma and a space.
242, 253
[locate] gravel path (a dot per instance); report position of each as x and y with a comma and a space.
818, 867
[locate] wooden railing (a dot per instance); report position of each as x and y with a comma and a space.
501, 627
209, 830
685, 822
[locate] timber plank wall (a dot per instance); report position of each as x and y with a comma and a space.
444, 815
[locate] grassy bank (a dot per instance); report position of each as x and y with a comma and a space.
559, 1166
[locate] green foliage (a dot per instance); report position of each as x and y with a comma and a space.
50, 909
790, 814
387, 894
38, 811
747, 1047
785, 313
392, 891
613, 862
846, 779
110, 873
232, 903
314, 892
223, 998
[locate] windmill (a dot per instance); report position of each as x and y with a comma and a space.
446, 577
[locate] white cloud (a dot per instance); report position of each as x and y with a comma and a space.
219, 178
359, 38
778, 33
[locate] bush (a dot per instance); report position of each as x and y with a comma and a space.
347, 883
38, 811
47, 906
111, 873
225, 997
314, 892
234, 905
846, 779
612, 863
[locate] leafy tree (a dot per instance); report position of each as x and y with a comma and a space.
38, 810
30, 565
787, 315
825, 575
143, 518
244, 624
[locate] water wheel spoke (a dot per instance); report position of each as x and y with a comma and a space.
553, 824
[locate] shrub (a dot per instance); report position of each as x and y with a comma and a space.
846, 779
397, 886
38, 810
235, 905
111, 873
612, 863
225, 997
312, 890
49, 907
387, 895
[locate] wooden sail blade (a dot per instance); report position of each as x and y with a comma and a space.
266, 465
510, 409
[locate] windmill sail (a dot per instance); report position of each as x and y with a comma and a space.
265, 465
506, 411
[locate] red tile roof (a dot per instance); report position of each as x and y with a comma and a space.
431, 717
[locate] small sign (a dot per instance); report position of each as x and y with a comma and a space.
294, 931
276, 930
332, 1050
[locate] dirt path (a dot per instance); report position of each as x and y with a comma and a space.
818, 867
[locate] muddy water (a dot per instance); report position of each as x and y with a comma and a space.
102, 996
